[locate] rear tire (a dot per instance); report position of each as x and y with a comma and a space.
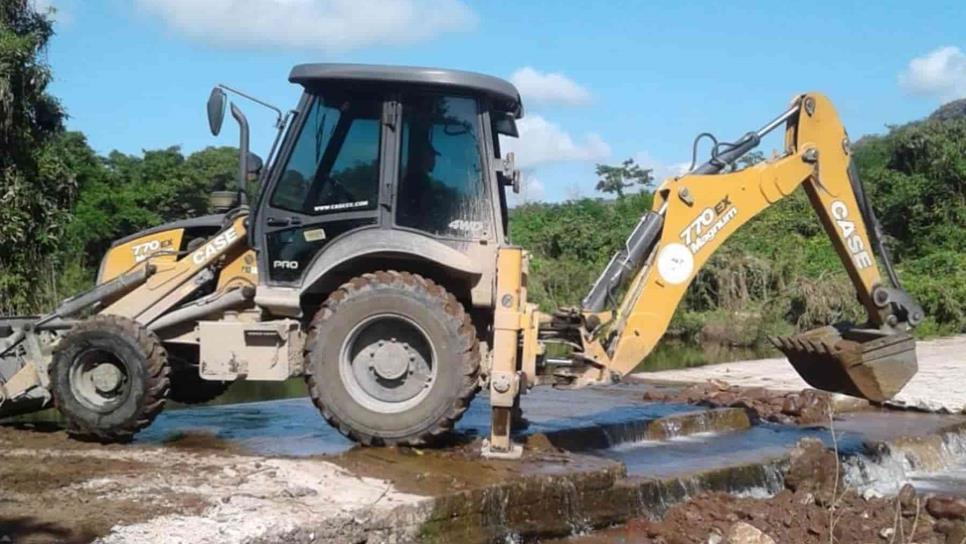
392, 359
109, 378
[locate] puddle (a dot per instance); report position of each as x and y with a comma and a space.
294, 427
291, 427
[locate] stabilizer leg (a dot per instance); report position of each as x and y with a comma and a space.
504, 374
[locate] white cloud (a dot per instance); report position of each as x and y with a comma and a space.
940, 73
548, 87
531, 190
326, 25
660, 169
542, 142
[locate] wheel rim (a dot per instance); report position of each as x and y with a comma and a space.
388, 364
99, 380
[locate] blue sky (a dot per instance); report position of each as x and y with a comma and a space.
601, 81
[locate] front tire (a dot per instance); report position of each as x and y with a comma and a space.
109, 378
392, 359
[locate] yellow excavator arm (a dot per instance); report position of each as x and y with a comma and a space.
700, 211
692, 216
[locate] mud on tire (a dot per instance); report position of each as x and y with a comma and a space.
110, 378
392, 359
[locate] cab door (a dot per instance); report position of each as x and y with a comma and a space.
328, 184
442, 186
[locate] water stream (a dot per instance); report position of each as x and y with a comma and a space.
934, 464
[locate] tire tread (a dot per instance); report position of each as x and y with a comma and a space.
445, 302
157, 378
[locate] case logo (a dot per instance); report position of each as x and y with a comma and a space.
840, 213
215, 246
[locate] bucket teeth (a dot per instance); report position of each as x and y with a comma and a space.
863, 363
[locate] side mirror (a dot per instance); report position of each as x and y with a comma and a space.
508, 173
216, 110
505, 124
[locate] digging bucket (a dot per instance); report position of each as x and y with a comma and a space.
861, 363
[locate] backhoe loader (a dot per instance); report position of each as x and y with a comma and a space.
374, 261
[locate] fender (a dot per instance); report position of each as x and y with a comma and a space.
374, 242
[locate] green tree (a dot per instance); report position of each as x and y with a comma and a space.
36, 187
615, 179
750, 159
122, 194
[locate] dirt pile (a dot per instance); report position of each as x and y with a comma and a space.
806, 407
813, 504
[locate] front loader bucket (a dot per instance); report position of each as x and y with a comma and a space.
858, 362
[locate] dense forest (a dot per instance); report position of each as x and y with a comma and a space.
61, 205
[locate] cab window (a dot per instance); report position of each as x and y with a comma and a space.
442, 186
334, 164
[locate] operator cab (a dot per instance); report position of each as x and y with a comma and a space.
394, 149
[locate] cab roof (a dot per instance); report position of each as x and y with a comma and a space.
504, 95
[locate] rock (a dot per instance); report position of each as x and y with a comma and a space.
743, 533
946, 507
656, 396
907, 495
813, 407
724, 398
812, 470
908, 500
887, 533
792, 405
714, 538
955, 531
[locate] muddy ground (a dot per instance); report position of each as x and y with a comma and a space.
193, 489
43, 497
805, 407
812, 502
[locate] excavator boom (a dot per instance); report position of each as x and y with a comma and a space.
692, 216
700, 210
